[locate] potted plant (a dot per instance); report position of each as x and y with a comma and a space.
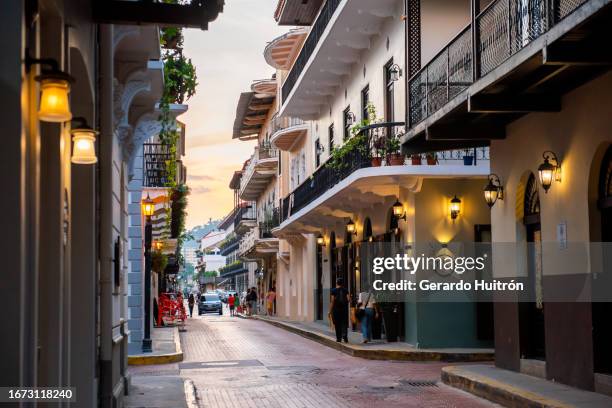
394, 156
432, 159
379, 152
416, 159
468, 157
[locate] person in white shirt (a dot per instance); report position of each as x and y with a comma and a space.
367, 302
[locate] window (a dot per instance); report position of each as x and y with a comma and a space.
330, 138
389, 93
345, 122
365, 100
318, 153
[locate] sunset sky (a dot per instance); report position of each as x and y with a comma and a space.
228, 58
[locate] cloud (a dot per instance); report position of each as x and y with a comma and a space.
200, 177
200, 190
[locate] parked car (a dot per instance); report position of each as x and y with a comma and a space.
210, 303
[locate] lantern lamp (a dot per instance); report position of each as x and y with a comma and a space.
351, 228
158, 245
548, 171
148, 206
493, 190
455, 207
320, 240
54, 88
398, 211
395, 73
84, 139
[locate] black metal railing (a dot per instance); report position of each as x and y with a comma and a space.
245, 214
231, 268
156, 159
270, 222
502, 29
281, 123
229, 245
330, 174
318, 28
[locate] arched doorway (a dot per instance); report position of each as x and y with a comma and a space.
531, 310
602, 311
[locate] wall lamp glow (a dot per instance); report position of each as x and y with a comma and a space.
454, 207
351, 228
395, 73
84, 143
54, 88
158, 245
493, 190
398, 211
321, 240
548, 171
148, 206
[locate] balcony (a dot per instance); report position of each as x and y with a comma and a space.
287, 132
259, 242
341, 32
156, 158
262, 167
245, 219
297, 12
516, 57
361, 170
229, 245
231, 269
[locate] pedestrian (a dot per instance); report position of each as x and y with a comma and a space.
270, 301
254, 300
230, 302
237, 303
191, 302
338, 310
247, 301
367, 311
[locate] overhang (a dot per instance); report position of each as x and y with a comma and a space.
281, 52
297, 12
251, 113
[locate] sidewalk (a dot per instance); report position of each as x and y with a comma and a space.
377, 350
513, 389
154, 391
166, 348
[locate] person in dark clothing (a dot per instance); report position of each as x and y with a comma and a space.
338, 310
191, 302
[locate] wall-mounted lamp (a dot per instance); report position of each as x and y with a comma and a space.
454, 207
548, 171
493, 190
148, 206
398, 211
395, 73
54, 88
350, 118
84, 140
351, 228
158, 245
321, 240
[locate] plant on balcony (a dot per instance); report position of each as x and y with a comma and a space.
468, 157
432, 158
159, 261
379, 145
178, 195
416, 159
171, 38
393, 149
339, 155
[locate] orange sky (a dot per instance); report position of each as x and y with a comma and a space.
228, 58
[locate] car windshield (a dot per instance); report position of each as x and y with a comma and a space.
210, 298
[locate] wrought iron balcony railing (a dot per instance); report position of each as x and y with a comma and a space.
233, 267
271, 222
502, 29
318, 28
156, 159
245, 214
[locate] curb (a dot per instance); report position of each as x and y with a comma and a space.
167, 358
496, 391
191, 396
373, 354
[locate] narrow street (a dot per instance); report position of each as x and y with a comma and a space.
247, 363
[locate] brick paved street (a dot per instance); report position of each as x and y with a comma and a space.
247, 363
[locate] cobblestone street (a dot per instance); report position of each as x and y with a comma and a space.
247, 363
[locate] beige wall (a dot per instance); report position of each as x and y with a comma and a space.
577, 134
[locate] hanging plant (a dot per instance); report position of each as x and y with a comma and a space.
159, 261
178, 196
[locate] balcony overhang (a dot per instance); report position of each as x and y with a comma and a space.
258, 180
261, 248
197, 14
297, 12
251, 113
287, 138
281, 52
348, 33
367, 188
572, 52
245, 225
264, 88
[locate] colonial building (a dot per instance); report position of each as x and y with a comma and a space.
532, 79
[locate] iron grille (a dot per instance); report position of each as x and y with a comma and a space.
156, 159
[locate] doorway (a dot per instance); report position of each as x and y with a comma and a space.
531, 310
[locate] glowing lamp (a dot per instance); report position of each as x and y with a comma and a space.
54, 105
84, 146
350, 227
493, 190
148, 206
455, 207
548, 171
321, 240
398, 211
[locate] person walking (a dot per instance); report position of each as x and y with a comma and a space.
270, 301
369, 312
247, 301
253, 300
231, 302
237, 303
191, 302
338, 310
